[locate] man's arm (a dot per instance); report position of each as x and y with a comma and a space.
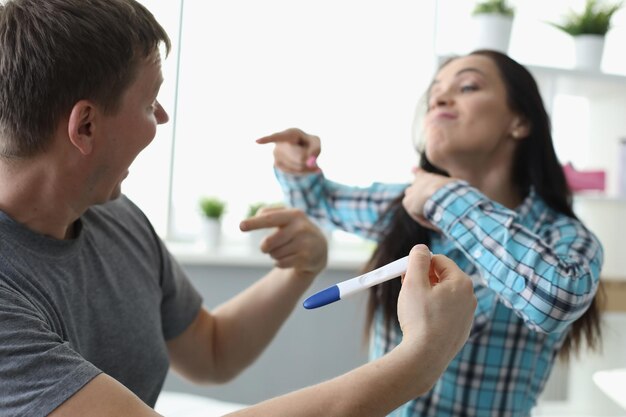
221, 343
103, 396
435, 309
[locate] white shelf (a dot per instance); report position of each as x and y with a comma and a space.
579, 82
569, 80
598, 76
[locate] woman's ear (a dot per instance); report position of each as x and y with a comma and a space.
520, 128
81, 126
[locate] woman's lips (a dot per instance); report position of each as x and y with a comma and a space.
445, 115
441, 117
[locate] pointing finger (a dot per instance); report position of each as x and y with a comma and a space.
294, 136
271, 218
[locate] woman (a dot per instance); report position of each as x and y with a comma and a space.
490, 194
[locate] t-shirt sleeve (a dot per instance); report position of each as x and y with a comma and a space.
181, 302
38, 370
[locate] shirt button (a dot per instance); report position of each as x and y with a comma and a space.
477, 253
437, 216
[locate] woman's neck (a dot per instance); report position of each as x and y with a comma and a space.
496, 184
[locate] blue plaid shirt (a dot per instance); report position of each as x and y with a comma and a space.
535, 271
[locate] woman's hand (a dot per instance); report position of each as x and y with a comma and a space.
295, 152
425, 184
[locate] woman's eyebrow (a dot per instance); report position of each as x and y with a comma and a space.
469, 69
459, 73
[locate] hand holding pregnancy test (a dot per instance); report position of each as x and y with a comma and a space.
362, 282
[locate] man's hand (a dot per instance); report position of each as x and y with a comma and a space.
297, 243
295, 152
436, 303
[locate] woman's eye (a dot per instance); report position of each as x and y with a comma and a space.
468, 87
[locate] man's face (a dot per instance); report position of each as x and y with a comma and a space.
130, 129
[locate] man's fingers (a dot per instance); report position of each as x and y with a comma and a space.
444, 267
272, 218
418, 267
271, 208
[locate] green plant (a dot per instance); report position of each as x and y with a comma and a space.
594, 20
212, 207
254, 208
493, 7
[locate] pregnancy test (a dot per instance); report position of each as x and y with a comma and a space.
362, 282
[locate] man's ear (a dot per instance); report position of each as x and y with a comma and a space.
520, 127
81, 127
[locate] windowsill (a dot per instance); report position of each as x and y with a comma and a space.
342, 255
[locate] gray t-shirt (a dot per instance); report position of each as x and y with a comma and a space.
105, 301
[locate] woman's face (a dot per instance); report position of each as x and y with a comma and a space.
469, 125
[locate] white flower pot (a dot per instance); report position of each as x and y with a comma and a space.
255, 237
211, 232
588, 50
492, 31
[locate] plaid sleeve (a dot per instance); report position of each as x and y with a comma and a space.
548, 275
352, 209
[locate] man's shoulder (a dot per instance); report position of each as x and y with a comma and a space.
119, 208
120, 214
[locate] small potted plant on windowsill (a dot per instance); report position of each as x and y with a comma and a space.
589, 29
212, 209
257, 236
254, 208
493, 21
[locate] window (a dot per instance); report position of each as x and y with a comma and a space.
350, 71
149, 181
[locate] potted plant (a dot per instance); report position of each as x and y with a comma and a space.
212, 209
254, 208
589, 29
257, 236
493, 20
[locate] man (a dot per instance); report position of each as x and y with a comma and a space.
93, 308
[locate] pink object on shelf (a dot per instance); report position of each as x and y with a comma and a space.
584, 180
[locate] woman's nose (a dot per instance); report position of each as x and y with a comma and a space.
441, 99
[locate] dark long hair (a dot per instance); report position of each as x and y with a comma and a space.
535, 165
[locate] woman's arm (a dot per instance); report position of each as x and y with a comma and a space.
348, 208
545, 265
352, 209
